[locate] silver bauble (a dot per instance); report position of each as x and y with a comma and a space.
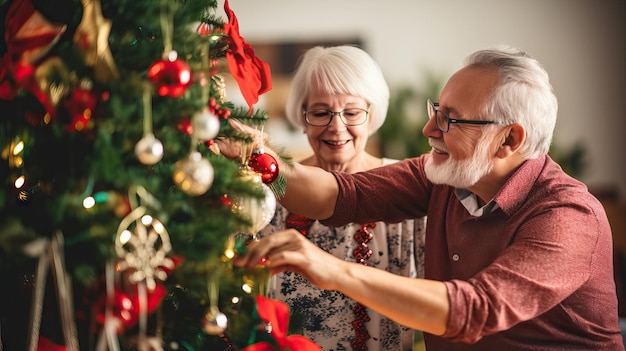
259, 211
205, 125
149, 150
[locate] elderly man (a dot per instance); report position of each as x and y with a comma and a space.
518, 254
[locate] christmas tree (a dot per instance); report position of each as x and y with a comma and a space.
118, 214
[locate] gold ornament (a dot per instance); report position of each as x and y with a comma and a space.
92, 35
55, 89
193, 174
220, 84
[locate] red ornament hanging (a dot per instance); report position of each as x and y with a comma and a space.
226, 201
204, 29
264, 164
80, 106
123, 309
184, 126
170, 76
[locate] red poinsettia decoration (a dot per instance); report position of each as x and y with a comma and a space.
276, 313
252, 74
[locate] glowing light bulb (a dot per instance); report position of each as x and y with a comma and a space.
89, 202
146, 220
125, 236
19, 182
229, 253
19, 147
158, 227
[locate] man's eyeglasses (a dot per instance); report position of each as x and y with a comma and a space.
443, 120
321, 117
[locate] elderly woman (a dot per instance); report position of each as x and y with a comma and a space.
339, 98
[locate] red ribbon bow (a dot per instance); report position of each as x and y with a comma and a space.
28, 37
277, 314
251, 73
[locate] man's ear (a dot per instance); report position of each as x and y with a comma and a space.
513, 139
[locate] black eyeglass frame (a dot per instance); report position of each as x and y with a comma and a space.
433, 105
333, 114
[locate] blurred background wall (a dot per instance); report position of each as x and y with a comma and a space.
582, 44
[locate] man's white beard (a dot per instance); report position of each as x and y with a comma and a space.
461, 173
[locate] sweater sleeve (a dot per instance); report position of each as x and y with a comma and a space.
389, 193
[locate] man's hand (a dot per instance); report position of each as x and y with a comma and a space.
289, 250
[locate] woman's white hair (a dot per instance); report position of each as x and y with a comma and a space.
338, 70
523, 95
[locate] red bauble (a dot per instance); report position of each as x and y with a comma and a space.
170, 76
264, 164
226, 201
184, 126
80, 105
123, 309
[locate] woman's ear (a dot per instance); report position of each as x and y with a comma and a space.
514, 138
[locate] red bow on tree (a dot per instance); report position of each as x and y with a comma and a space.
276, 313
251, 73
29, 37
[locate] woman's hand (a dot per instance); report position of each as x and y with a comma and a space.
232, 149
289, 250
